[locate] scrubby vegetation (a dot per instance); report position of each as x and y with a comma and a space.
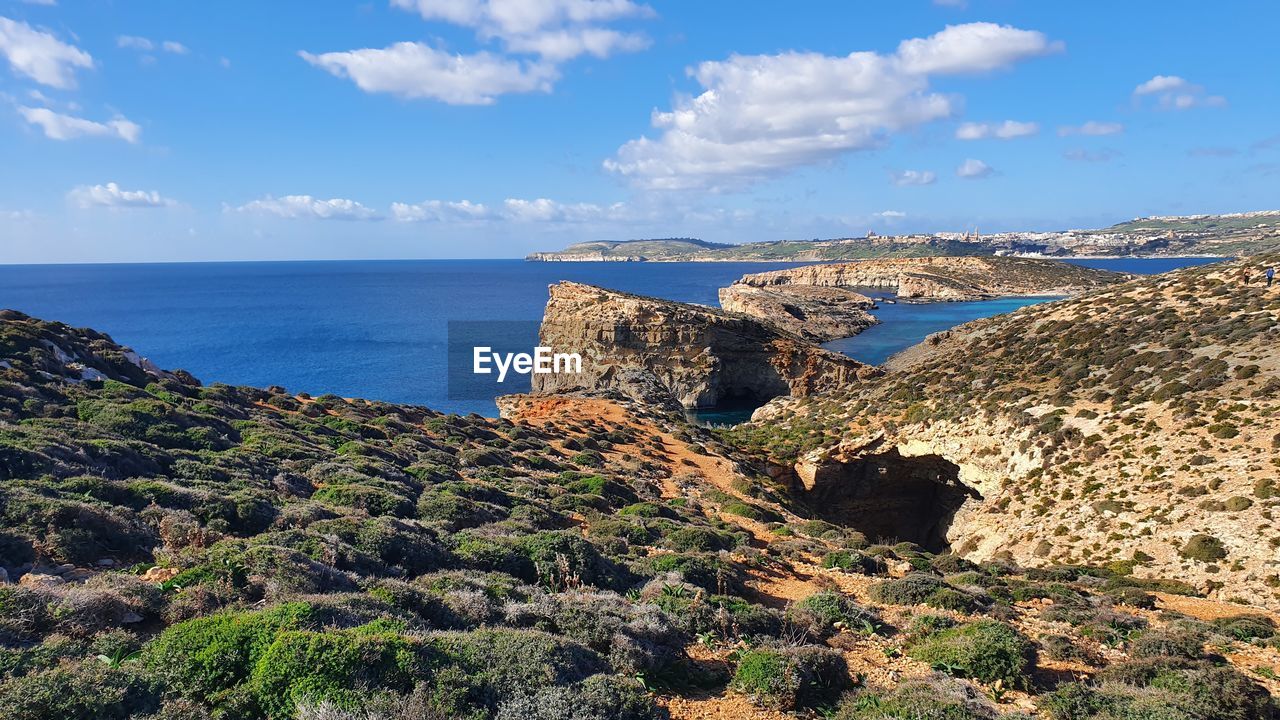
1132, 424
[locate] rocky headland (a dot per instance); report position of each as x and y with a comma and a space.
697, 356
943, 278
823, 302
813, 312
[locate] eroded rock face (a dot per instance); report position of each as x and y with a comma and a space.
943, 278
700, 356
815, 313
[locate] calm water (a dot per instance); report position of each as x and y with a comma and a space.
376, 329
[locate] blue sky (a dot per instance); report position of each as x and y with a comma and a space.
161, 131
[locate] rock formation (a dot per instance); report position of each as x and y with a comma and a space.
813, 312
1134, 425
700, 356
943, 278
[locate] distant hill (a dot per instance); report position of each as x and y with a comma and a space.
1230, 235
684, 250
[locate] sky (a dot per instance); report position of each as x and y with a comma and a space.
150, 131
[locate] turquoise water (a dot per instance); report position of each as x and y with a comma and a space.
905, 324
377, 329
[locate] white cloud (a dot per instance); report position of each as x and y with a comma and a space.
557, 30
973, 169
973, 47
41, 56
539, 210
913, 177
1159, 84
560, 45
1006, 130
890, 215
305, 206
46, 3
111, 196
554, 31
544, 210
1172, 92
133, 42
57, 126
1092, 127
416, 70
441, 211
762, 115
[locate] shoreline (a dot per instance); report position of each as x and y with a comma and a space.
632, 261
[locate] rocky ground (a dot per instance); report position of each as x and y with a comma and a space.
1135, 424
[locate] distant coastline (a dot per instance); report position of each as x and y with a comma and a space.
1192, 236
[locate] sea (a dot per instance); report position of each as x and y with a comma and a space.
379, 329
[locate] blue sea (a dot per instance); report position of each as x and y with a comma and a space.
377, 329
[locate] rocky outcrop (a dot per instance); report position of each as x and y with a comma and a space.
1136, 425
699, 356
813, 312
943, 278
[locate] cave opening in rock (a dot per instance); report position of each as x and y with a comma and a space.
732, 407
889, 497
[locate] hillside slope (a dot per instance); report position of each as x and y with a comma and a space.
175, 551
1136, 424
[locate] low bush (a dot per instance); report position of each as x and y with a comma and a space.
1246, 627
922, 589
791, 678
985, 650
933, 698
825, 613
1205, 548
1163, 688
86, 690
599, 697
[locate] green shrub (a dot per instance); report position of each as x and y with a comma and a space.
853, 561
335, 667
825, 613
1168, 642
1246, 627
484, 668
87, 690
1205, 548
599, 697
206, 655
933, 698
922, 589
986, 650
1160, 689
791, 678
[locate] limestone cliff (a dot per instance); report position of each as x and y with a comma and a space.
700, 356
944, 278
1138, 424
814, 313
